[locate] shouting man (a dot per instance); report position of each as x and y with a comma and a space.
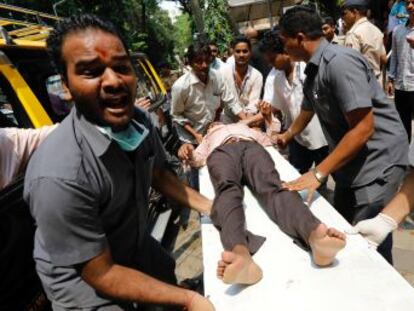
88, 184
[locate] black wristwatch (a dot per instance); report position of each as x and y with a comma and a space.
319, 176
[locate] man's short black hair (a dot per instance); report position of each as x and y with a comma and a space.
303, 19
199, 48
71, 25
362, 9
271, 42
328, 20
241, 39
213, 42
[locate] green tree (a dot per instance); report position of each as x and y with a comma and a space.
142, 23
183, 33
160, 40
217, 23
216, 20
38, 5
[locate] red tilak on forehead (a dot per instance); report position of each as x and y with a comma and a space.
102, 53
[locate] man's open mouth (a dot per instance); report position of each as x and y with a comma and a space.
116, 104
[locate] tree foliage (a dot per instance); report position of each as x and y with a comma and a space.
185, 5
183, 29
217, 24
142, 23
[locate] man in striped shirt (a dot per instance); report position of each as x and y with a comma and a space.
401, 75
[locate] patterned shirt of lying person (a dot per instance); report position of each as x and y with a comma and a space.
87, 195
339, 80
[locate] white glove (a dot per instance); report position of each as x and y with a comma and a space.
376, 229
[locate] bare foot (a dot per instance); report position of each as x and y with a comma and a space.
238, 269
325, 244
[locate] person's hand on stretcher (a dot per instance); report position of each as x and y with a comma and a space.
186, 155
185, 152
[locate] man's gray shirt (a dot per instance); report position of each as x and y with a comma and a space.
339, 80
87, 195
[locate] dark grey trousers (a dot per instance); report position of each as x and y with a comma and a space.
235, 165
356, 204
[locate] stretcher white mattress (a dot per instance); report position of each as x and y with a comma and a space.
360, 279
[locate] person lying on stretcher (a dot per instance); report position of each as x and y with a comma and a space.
235, 158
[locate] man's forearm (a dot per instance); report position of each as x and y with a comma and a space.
126, 284
255, 119
346, 150
242, 115
131, 285
190, 129
301, 122
403, 202
169, 185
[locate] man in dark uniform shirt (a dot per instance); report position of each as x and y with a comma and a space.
368, 149
88, 184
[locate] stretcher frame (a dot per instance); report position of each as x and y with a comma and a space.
359, 280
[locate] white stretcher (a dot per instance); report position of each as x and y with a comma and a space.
359, 280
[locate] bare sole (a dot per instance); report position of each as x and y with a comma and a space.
238, 269
325, 244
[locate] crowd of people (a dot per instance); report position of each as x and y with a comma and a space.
314, 93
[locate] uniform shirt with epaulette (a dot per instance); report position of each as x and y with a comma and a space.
339, 80
367, 39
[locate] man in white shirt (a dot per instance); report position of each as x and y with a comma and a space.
269, 89
216, 63
329, 29
198, 96
310, 146
243, 80
267, 48
230, 61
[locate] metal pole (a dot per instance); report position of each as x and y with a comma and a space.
12, 8
56, 5
269, 4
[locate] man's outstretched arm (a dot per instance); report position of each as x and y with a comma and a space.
298, 125
376, 229
67, 215
403, 202
127, 284
361, 123
170, 186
